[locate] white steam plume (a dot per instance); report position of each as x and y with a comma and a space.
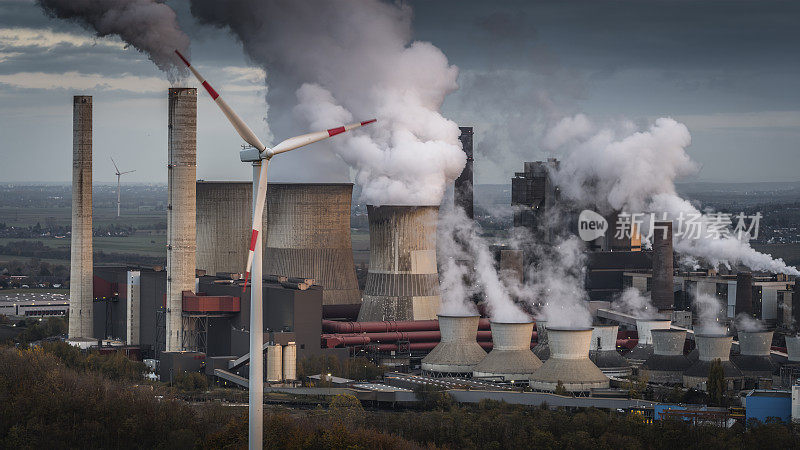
355, 60
708, 309
150, 26
632, 302
746, 322
634, 171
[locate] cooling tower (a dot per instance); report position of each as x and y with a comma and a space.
667, 363
541, 350
744, 293
81, 271
308, 236
661, 293
224, 215
181, 179
569, 363
402, 282
711, 347
458, 351
511, 358
603, 351
793, 348
754, 358
644, 348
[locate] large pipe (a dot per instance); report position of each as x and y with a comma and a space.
662, 294
744, 293
181, 216
462, 192
332, 326
80, 276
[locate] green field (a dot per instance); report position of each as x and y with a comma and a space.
22, 217
139, 245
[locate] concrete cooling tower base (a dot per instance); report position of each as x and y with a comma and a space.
511, 358
569, 363
711, 348
458, 352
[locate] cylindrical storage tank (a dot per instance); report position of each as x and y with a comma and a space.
541, 350
403, 281
81, 269
511, 358
793, 348
661, 293
181, 212
308, 236
224, 221
644, 347
603, 351
458, 351
569, 363
754, 358
711, 347
667, 363
274, 363
290, 362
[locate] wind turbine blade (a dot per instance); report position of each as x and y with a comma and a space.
305, 139
130, 171
258, 214
115, 165
244, 131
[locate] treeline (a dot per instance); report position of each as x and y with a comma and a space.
37, 249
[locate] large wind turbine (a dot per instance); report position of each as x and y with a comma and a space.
119, 175
259, 155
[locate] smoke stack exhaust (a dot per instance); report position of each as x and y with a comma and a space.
81, 270
662, 290
181, 210
463, 193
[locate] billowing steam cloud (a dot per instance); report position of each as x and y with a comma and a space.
148, 25
709, 310
637, 305
634, 171
746, 322
355, 60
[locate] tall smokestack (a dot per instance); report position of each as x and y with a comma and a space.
181, 179
662, 291
403, 281
463, 194
744, 293
80, 276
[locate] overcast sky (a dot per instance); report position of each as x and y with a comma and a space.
729, 70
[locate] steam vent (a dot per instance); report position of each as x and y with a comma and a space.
667, 363
644, 348
754, 358
569, 363
711, 347
541, 350
458, 351
402, 282
511, 358
603, 351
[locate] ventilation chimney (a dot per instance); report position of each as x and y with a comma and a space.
662, 294
511, 358
793, 348
603, 351
80, 275
569, 363
711, 347
462, 193
744, 293
541, 350
402, 282
667, 363
644, 348
181, 216
458, 351
754, 358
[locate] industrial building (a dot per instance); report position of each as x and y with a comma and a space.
533, 194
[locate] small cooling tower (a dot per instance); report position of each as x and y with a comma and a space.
403, 281
754, 358
569, 363
711, 347
458, 351
667, 363
511, 358
603, 351
541, 350
644, 348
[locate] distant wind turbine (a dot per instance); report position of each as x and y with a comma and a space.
119, 175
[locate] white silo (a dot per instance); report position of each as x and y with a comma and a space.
569, 363
274, 363
290, 361
603, 351
667, 363
511, 358
711, 347
458, 351
644, 347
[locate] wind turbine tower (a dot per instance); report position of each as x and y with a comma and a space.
119, 175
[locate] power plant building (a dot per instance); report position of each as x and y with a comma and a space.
533, 194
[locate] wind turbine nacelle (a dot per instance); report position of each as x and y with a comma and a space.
250, 154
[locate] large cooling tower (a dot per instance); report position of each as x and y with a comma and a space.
661, 293
644, 348
308, 236
541, 350
80, 275
667, 363
793, 348
224, 215
754, 358
603, 351
711, 347
511, 358
181, 180
402, 282
569, 363
458, 351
